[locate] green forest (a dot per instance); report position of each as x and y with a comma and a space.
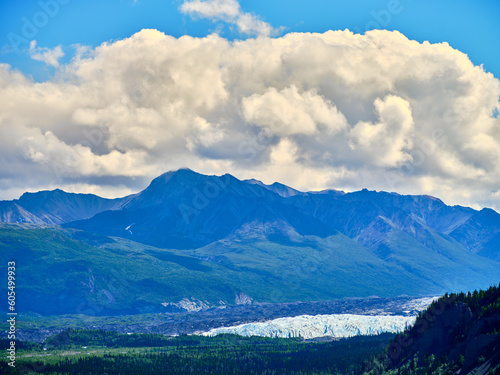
113, 353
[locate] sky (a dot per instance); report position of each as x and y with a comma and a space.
101, 96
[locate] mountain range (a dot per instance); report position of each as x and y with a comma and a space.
266, 242
184, 209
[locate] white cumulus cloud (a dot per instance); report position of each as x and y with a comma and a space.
48, 56
332, 110
228, 11
291, 112
388, 141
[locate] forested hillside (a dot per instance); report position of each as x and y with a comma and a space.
458, 332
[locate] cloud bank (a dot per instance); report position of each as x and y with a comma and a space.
333, 110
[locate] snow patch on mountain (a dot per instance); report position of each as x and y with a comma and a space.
309, 326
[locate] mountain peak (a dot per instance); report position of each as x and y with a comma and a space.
180, 171
276, 187
328, 191
41, 193
179, 174
169, 185
253, 181
57, 206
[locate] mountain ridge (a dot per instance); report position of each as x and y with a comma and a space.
185, 202
57, 207
23, 200
276, 247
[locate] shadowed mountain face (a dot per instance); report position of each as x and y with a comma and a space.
360, 242
184, 209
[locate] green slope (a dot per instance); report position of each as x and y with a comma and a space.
316, 268
57, 274
437, 259
66, 271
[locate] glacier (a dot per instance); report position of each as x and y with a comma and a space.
314, 326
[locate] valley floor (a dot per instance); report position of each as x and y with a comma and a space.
225, 354
33, 327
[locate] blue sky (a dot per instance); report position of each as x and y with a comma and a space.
469, 26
